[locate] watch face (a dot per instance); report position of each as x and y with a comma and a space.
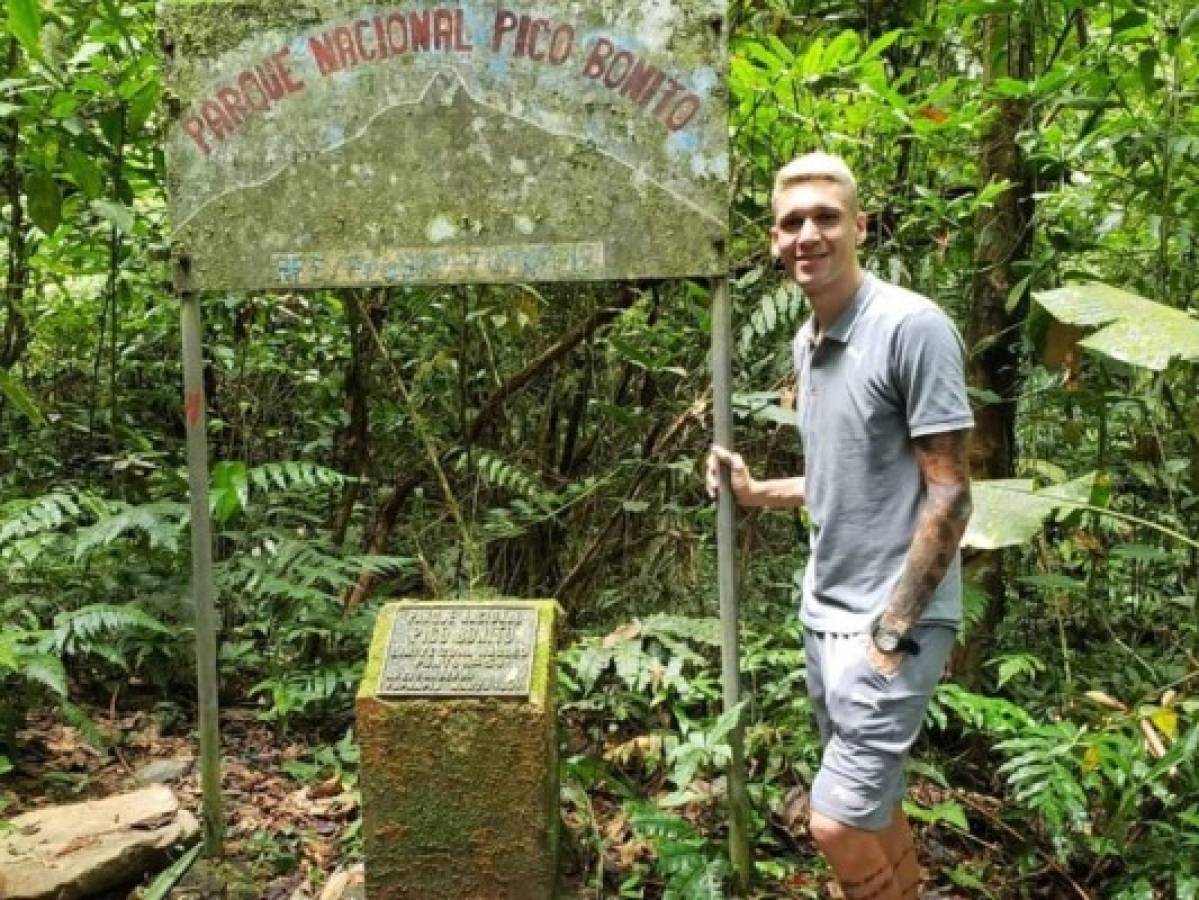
887, 641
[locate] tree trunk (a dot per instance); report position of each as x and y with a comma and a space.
992, 329
353, 443
14, 336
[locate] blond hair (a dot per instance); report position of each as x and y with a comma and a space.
818, 166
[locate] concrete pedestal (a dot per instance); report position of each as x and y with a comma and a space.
460, 794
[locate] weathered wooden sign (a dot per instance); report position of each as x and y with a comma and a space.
321, 143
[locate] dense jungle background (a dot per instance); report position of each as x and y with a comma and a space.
544, 441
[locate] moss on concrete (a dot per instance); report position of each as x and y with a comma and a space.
460, 796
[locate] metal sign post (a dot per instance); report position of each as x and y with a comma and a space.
726, 556
202, 588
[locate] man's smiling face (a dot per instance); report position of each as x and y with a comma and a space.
816, 233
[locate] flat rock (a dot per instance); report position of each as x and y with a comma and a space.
78, 850
163, 771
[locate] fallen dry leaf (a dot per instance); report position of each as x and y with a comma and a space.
639, 749
1153, 741
933, 114
792, 814
1106, 700
328, 788
625, 632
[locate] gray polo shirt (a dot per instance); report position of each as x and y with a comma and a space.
891, 368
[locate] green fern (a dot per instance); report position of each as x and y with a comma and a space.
692, 866
1044, 773
990, 715
705, 631
78, 717
233, 483
48, 513
298, 570
505, 522
64, 526
652, 661
294, 476
307, 692
499, 472
46, 670
19, 397
97, 628
780, 309
162, 523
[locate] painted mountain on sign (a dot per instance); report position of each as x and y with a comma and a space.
511, 184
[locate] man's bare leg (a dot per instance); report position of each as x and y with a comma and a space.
901, 851
858, 859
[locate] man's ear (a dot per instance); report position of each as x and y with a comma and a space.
860, 222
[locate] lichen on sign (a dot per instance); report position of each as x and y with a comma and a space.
329, 143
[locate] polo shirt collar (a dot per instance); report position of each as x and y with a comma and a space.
842, 328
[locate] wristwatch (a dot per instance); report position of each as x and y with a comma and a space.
888, 640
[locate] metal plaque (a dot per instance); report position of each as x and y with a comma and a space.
460, 650
325, 143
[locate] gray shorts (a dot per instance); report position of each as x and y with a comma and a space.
868, 721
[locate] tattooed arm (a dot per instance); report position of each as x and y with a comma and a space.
939, 528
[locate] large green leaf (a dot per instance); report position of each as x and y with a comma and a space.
1009, 512
1136, 331
48, 670
160, 888
116, 213
16, 394
25, 23
85, 173
230, 491
44, 201
143, 104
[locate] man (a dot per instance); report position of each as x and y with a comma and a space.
884, 418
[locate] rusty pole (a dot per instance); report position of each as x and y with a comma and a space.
726, 556
202, 586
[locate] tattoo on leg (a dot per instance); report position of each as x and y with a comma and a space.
882, 870
877, 891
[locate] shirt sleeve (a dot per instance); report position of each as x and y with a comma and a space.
929, 366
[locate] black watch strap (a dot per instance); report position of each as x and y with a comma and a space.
909, 646
903, 643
